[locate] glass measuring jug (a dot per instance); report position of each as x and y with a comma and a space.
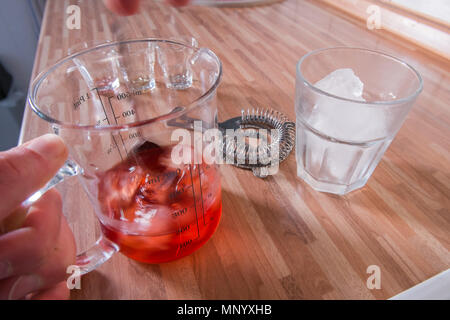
115, 109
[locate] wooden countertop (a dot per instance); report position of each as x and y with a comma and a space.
278, 238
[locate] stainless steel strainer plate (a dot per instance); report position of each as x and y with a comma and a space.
252, 121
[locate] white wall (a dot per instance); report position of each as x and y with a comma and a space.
19, 32
436, 8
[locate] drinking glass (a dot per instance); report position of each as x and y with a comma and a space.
339, 141
176, 64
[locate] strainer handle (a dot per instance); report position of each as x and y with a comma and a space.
102, 249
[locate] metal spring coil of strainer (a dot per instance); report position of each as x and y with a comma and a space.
257, 119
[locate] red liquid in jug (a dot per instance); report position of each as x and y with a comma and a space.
160, 211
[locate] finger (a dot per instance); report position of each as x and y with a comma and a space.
26, 168
42, 281
18, 287
25, 249
58, 292
46, 269
14, 220
54, 268
122, 7
178, 3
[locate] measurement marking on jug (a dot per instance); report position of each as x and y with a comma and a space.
185, 244
125, 95
100, 121
183, 229
112, 110
152, 179
107, 119
81, 100
103, 107
201, 195
117, 146
128, 113
115, 119
135, 135
174, 194
179, 213
195, 206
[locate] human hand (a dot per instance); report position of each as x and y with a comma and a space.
36, 245
130, 7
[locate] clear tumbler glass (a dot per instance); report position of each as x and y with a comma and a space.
340, 140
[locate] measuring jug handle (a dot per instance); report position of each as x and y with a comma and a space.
102, 249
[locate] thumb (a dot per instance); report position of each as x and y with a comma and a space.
26, 168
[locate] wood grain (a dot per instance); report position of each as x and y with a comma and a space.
278, 238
